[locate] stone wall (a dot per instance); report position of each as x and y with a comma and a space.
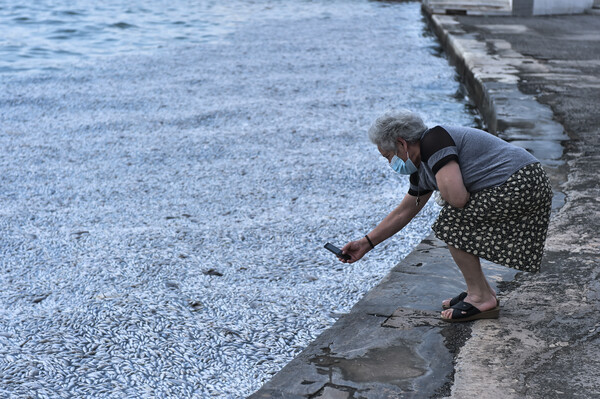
549, 7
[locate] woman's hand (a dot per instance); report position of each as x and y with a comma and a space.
356, 249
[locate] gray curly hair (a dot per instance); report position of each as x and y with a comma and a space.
394, 124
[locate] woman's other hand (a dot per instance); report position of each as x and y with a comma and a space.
356, 249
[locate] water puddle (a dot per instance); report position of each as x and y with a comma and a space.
393, 365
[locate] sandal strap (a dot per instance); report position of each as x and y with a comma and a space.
458, 298
464, 306
463, 310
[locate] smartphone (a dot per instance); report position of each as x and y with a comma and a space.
337, 251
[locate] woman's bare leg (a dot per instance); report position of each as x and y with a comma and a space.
479, 292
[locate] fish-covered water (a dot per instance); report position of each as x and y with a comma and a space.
170, 172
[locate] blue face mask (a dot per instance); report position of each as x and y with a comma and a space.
404, 168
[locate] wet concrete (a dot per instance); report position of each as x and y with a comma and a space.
490, 69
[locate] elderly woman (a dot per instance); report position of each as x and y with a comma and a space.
497, 202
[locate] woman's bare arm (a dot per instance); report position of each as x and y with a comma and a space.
390, 225
452, 188
397, 219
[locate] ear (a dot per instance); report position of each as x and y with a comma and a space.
403, 143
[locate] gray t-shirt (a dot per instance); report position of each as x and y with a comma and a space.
484, 159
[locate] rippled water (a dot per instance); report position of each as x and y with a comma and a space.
56, 32
46, 34
165, 203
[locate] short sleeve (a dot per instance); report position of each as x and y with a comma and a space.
414, 189
438, 148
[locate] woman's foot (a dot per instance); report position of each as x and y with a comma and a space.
483, 303
448, 303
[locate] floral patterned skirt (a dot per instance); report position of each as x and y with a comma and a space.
505, 224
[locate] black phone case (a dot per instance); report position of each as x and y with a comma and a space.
337, 251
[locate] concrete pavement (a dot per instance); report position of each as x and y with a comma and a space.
536, 82
547, 342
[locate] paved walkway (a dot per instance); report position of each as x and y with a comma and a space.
547, 343
537, 83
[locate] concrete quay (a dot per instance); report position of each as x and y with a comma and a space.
536, 81
547, 342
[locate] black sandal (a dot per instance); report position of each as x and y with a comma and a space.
464, 311
455, 300
459, 298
